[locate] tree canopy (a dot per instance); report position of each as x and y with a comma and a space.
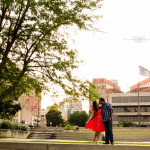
54, 117
32, 49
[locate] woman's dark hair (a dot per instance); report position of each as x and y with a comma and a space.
95, 106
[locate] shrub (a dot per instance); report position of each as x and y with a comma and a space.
23, 128
125, 123
78, 118
15, 127
69, 127
6, 125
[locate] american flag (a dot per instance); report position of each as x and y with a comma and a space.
143, 71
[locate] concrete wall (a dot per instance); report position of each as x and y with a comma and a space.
14, 133
46, 146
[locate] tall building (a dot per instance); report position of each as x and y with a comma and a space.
31, 109
106, 87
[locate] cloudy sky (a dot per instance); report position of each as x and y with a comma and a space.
124, 43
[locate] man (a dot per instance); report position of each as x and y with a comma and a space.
107, 112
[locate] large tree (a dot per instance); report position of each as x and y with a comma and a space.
53, 116
32, 46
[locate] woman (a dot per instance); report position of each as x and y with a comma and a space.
96, 124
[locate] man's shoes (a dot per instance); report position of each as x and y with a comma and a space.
105, 143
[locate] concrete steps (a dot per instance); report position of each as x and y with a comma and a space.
63, 136
42, 135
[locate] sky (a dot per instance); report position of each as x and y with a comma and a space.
116, 52
124, 44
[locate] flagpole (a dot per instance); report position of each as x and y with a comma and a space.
145, 72
139, 119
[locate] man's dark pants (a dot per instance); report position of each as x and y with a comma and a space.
108, 131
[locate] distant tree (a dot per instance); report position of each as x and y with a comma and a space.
78, 118
54, 117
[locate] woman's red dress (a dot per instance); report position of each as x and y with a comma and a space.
96, 124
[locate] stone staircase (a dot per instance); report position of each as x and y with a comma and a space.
42, 135
63, 136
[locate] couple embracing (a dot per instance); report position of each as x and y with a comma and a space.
102, 121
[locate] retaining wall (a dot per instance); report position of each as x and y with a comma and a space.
14, 133
46, 146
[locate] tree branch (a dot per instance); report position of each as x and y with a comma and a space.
9, 44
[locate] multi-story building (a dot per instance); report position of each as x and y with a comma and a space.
134, 105
131, 107
106, 87
31, 109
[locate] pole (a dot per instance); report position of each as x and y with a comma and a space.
38, 113
139, 104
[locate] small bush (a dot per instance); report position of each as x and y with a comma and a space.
8, 125
23, 128
69, 127
15, 127
125, 123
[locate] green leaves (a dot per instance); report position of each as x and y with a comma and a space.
33, 50
54, 117
78, 118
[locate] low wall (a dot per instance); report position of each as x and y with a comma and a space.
14, 133
45, 146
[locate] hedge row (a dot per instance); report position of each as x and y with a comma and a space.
8, 125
